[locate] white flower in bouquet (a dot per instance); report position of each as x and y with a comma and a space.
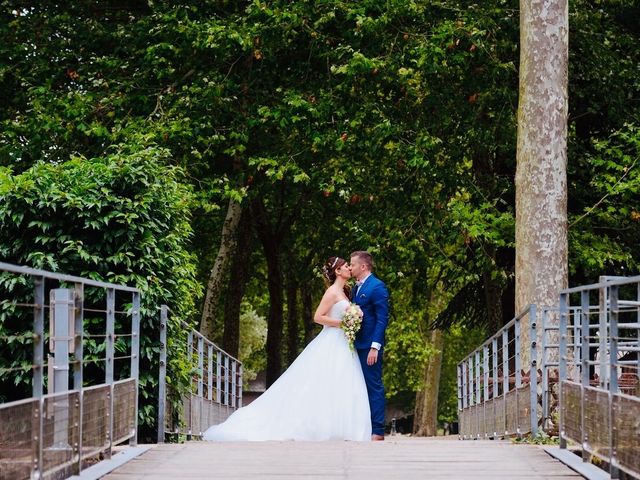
351, 322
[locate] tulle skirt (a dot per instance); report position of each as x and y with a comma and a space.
321, 396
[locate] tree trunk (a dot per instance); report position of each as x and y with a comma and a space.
214, 285
238, 278
307, 314
292, 321
425, 423
541, 179
275, 320
271, 244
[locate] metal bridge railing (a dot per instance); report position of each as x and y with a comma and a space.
548, 352
54, 435
497, 395
215, 391
600, 375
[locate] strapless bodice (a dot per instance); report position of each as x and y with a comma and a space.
338, 309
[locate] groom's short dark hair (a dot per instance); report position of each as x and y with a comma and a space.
365, 257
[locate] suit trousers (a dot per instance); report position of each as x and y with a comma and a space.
375, 390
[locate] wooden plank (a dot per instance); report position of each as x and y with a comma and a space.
402, 458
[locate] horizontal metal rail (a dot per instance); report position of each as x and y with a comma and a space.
62, 430
215, 391
600, 380
497, 395
34, 272
58, 432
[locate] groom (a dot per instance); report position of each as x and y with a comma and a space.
371, 295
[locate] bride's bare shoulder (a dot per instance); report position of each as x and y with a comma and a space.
331, 293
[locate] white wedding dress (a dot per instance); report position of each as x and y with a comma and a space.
321, 396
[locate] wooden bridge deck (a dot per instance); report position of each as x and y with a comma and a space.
398, 457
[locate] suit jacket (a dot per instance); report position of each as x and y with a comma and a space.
373, 299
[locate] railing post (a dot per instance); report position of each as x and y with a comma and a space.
110, 354
459, 386
602, 331
240, 383
210, 371
135, 361
533, 373
465, 393
38, 367
201, 384
577, 336
78, 356
472, 392
562, 368
584, 364
200, 365
613, 378
638, 331
463, 380
544, 367
38, 341
162, 380
485, 372
233, 384
219, 377
485, 389
518, 352
494, 355
518, 370
190, 346
110, 335
496, 384
226, 380
505, 375
63, 306
584, 337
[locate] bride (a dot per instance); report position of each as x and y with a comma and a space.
322, 395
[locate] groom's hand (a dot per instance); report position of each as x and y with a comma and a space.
372, 357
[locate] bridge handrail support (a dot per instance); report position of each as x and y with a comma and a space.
225, 394
66, 322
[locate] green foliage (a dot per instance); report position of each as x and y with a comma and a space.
459, 341
406, 353
604, 236
123, 218
540, 438
387, 126
253, 338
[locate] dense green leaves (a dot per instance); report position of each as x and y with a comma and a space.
124, 219
388, 126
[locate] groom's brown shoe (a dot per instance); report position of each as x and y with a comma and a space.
377, 438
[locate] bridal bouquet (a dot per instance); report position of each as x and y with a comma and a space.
351, 322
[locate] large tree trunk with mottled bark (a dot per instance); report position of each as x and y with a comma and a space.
541, 179
425, 423
238, 278
217, 275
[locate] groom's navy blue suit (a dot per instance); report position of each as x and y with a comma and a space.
373, 299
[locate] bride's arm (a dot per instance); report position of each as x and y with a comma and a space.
321, 316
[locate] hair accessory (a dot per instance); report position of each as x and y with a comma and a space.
334, 262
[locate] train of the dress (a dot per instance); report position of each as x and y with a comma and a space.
321, 396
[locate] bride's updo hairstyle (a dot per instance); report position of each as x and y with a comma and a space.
329, 269
329, 272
